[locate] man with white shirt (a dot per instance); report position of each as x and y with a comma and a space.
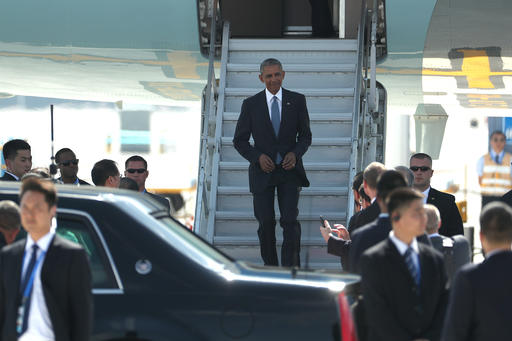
45, 280
278, 121
403, 281
451, 221
18, 159
494, 171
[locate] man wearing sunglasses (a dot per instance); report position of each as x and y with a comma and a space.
136, 168
67, 163
451, 222
494, 170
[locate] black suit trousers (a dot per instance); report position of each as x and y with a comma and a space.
288, 199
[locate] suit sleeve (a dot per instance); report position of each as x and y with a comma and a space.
2, 295
304, 131
81, 297
453, 220
243, 133
457, 323
379, 316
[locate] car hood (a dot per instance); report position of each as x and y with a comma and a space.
241, 271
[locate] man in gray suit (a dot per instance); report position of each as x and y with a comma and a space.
455, 249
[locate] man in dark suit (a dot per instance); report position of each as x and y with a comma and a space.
456, 250
278, 121
67, 163
136, 168
105, 173
45, 280
370, 175
451, 221
480, 300
18, 159
403, 281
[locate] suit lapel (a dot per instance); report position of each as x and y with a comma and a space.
18, 265
284, 109
397, 258
431, 199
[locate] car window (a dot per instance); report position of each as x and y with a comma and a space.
79, 229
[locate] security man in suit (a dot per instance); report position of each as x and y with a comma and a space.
18, 159
494, 171
67, 163
451, 221
136, 168
278, 121
10, 222
456, 250
370, 175
45, 280
480, 307
403, 281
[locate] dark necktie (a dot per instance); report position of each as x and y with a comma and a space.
276, 122
497, 159
409, 261
26, 277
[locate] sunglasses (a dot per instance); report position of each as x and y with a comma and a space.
67, 163
138, 170
423, 169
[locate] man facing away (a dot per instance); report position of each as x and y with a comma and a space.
456, 250
67, 163
278, 121
494, 171
480, 307
451, 221
105, 173
10, 222
370, 175
18, 159
403, 281
45, 280
136, 168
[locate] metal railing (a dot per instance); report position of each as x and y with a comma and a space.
207, 144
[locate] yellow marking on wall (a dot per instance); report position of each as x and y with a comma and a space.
183, 62
476, 65
489, 101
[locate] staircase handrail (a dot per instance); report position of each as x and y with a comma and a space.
207, 118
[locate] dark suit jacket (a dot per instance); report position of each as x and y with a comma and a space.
66, 280
7, 177
370, 235
294, 136
162, 200
456, 252
507, 198
451, 222
480, 301
365, 216
393, 308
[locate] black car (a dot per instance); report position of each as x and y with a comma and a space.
153, 279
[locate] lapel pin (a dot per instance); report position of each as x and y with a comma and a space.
287, 103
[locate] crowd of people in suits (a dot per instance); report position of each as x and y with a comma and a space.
417, 280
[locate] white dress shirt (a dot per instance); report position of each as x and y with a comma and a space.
402, 247
279, 96
14, 176
425, 195
39, 323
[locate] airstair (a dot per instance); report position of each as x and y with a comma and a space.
328, 73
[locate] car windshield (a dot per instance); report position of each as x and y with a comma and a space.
195, 242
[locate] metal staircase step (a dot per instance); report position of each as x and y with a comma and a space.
330, 92
313, 117
245, 240
296, 67
308, 166
299, 45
